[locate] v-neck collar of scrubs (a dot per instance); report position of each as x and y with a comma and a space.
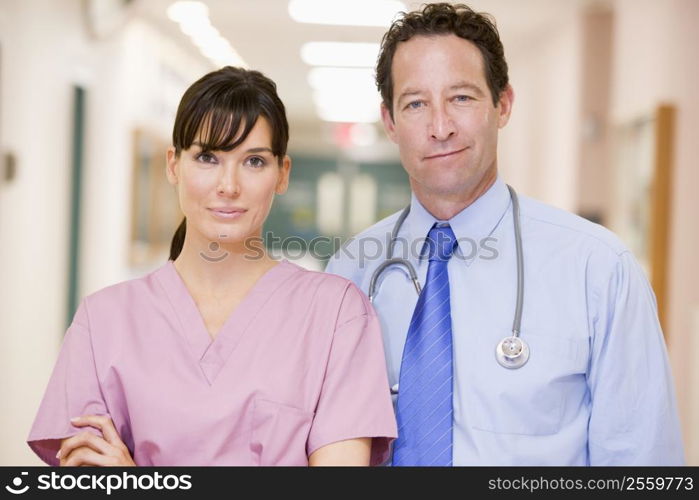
475, 222
211, 354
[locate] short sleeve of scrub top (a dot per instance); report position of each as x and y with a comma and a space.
75, 391
299, 364
348, 407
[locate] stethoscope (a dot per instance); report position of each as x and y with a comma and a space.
511, 352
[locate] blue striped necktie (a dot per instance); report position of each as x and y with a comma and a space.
425, 407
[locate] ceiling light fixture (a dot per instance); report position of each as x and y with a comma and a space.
346, 54
345, 94
347, 107
341, 78
343, 12
193, 18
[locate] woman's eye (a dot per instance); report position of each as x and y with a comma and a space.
206, 158
256, 161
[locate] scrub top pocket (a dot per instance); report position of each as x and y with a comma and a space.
279, 434
535, 399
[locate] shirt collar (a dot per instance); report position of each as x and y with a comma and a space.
475, 222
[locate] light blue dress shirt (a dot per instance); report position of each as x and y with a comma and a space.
597, 389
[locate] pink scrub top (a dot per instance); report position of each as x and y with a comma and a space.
299, 364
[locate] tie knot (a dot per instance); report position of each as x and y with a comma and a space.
441, 242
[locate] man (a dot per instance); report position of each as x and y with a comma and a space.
596, 389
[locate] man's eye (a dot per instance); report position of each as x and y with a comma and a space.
206, 158
462, 98
256, 161
414, 104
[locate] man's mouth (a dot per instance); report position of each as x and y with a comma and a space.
444, 155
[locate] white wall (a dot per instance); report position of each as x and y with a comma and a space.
132, 80
655, 60
35, 116
139, 78
538, 150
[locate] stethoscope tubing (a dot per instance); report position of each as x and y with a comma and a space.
511, 360
517, 323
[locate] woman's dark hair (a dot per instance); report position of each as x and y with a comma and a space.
215, 109
444, 19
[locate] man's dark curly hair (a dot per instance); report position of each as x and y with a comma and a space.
444, 19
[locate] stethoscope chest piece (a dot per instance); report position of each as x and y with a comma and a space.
512, 352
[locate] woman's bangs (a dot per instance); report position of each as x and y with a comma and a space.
225, 129
220, 121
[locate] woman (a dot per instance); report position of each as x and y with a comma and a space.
223, 356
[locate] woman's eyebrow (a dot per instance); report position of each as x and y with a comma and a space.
260, 150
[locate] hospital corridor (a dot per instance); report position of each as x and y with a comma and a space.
602, 122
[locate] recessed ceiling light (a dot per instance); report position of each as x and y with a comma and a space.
334, 106
181, 11
340, 54
193, 18
345, 94
355, 115
344, 12
353, 79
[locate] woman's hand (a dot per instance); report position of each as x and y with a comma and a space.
88, 449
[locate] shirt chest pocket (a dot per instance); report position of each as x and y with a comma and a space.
535, 399
279, 434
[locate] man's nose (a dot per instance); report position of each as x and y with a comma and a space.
441, 126
229, 181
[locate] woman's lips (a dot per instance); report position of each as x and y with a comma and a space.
225, 213
444, 155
